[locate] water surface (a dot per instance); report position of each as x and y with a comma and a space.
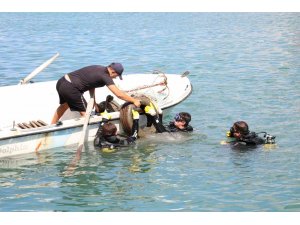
244, 66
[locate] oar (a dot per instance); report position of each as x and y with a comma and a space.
80, 147
85, 125
39, 69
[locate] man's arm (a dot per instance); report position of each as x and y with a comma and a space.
122, 95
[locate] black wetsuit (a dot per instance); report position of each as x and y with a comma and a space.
250, 140
172, 128
82, 80
115, 141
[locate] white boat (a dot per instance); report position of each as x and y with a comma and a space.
37, 102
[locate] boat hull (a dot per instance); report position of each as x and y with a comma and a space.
48, 140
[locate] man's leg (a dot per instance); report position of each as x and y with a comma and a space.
59, 112
82, 114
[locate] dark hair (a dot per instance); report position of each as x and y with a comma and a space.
109, 129
186, 117
241, 127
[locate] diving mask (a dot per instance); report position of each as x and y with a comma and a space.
178, 118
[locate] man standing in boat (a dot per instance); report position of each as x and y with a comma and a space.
71, 87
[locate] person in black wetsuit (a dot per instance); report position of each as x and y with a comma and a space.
242, 136
71, 87
107, 138
179, 124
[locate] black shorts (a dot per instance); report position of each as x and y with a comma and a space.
69, 94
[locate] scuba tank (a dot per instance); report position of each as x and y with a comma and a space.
269, 139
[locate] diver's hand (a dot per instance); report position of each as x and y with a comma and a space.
135, 114
224, 142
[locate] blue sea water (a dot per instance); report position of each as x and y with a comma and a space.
244, 66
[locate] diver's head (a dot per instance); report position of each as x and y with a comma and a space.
182, 119
109, 129
239, 129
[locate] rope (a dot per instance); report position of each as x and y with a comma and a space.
163, 83
147, 86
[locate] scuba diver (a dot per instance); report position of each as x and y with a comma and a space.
107, 137
241, 136
179, 124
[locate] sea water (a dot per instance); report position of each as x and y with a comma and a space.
243, 66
